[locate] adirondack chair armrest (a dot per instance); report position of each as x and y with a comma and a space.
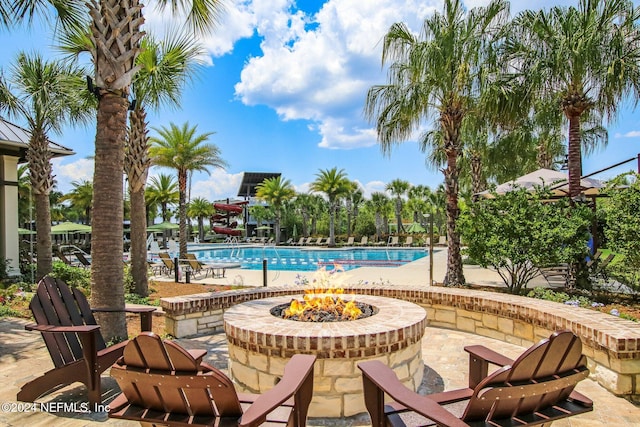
379, 379
479, 359
298, 377
146, 319
581, 399
62, 329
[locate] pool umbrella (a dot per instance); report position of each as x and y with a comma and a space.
22, 231
163, 226
70, 227
415, 228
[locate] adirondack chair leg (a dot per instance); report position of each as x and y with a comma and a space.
90, 359
146, 321
374, 401
302, 400
55, 378
478, 370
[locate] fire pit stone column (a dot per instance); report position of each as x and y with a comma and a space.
260, 345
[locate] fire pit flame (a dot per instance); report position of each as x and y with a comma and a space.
314, 306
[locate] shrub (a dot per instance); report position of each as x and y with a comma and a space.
73, 276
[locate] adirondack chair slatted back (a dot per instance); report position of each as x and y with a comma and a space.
543, 375
55, 304
162, 376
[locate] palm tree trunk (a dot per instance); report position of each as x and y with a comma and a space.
450, 121
332, 220
182, 188
43, 236
478, 183
137, 169
399, 216
138, 249
41, 179
107, 289
575, 155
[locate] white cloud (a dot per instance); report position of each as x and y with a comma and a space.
218, 186
65, 174
322, 73
372, 187
630, 134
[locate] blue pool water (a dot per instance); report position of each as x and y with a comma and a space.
297, 259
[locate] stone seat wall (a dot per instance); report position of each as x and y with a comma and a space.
611, 344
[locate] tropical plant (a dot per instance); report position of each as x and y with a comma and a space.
519, 232
164, 192
623, 231
587, 56
435, 74
81, 196
303, 205
261, 213
334, 184
200, 208
115, 32
166, 66
182, 149
25, 198
398, 188
276, 192
46, 95
381, 205
353, 201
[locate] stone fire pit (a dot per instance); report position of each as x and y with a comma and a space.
260, 345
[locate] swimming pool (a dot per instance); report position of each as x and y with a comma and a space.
299, 259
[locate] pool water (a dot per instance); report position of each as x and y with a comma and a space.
295, 259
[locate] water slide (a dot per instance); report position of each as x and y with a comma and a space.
223, 218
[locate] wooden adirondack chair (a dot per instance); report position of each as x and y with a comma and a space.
73, 339
163, 385
535, 389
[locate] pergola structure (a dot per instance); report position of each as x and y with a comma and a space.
247, 190
14, 143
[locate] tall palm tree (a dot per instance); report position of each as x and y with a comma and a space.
435, 74
166, 66
398, 188
116, 34
46, 95
182, 149
164, 192
81, 196
303, 204
588, 56
418, 202
200, 208
276, 192
334, 184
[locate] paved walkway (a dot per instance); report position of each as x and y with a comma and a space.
24, 356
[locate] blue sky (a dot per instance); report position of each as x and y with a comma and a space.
283, 90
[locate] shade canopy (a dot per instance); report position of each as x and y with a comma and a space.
555, 181
70, 227
415, 228
23, 231
163, 226
263, 227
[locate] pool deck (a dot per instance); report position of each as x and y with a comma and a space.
23, 355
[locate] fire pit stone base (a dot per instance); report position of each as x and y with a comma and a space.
260, 345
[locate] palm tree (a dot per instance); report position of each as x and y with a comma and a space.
354, 199
334, 184
303, 203
164, 192
435, 74
116, 34
200, 208
587, 56
180, 148
46, 95
380, 204
276, 192
81, 197
418, 202
398, 188
166, 65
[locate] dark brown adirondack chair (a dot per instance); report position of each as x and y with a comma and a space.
162, 385
535, 389
73, 339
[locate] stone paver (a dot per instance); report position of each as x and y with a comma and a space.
23, 356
